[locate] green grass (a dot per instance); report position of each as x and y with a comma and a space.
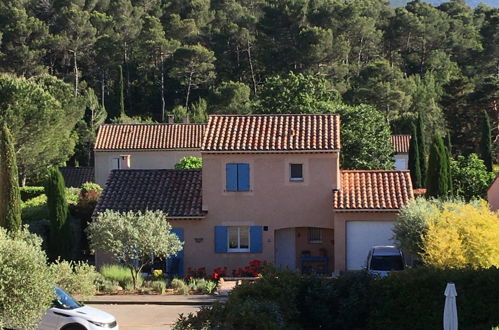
119, 274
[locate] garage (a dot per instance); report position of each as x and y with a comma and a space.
361, 236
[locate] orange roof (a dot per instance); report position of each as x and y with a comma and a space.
267, 133
149, 136
376, 190
401, 143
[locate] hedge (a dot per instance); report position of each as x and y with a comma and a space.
31, 192
413, 299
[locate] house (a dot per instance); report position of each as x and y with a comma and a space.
270, 189
493, 194
75, 177
401, 146
144, 146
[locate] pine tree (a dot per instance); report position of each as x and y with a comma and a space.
422, 150
414, 162
438, 177
59, 237
121, 92
10, 198
485, 142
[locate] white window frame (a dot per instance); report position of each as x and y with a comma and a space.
238, 249
295, 179
314, 241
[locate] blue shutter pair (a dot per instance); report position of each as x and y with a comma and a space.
237, 177
221, 239
175, 264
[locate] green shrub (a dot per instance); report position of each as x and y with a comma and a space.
120, 275
26, 288
416, 297
107, 286
180, 287
35, 209
76, 278
90, 186
157, 285
202, 286
72, 195
31, 192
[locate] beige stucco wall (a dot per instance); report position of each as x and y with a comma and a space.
493, 195
340, 219
138, 160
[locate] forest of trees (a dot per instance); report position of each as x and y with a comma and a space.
139, 60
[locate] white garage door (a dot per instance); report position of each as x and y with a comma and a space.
362, 236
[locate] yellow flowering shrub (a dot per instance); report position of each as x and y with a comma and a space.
462, 235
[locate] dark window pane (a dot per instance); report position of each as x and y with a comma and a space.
296, 171
387, 263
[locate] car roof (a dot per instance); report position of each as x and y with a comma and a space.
385, 250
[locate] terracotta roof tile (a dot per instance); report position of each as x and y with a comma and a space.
149, 136
266, 133
175, 192
379, 190
77, 176
401, 143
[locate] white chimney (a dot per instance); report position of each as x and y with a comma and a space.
125, 162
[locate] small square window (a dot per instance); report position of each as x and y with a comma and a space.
314, 235
296, 172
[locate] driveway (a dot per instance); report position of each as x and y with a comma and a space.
151, 317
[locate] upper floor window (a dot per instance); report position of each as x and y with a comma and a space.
237, 177
296, 172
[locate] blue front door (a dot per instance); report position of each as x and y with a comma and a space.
175, 264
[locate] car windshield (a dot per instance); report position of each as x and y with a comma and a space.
387, 263
64, 300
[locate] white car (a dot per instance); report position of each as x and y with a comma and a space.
68, 314
385, 259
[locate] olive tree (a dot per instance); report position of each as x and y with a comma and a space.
26, 288
133, 238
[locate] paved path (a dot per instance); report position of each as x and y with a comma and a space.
155, 299
150, 317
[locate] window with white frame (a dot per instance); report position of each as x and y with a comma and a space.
314, 235
238, 239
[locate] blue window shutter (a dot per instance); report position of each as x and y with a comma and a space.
231, 177
243, 177
175, 264
256, 237
220, 239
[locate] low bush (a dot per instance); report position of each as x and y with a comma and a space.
180, 287
120, 275
35, 209
72, 195
77, 278
31, 192
202, 286
157, 285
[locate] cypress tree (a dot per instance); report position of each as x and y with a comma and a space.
59, 237
10, 197
486, 142
414, 162
422, 150
121, 92
438, 178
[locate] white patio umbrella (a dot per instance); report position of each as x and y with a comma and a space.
450, 310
